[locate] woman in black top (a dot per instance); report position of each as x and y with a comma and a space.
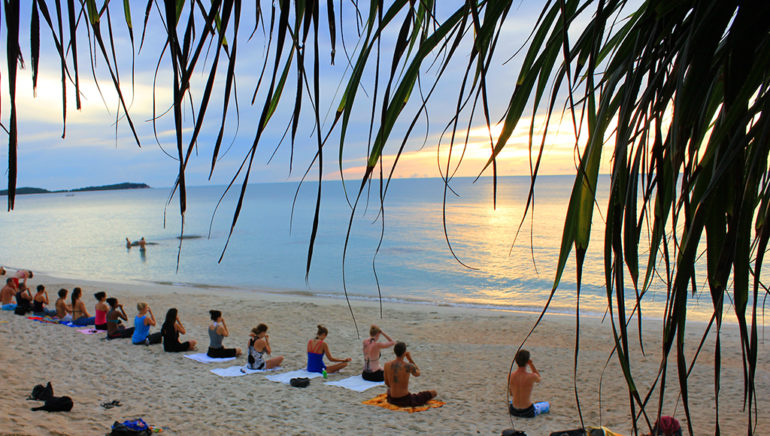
171, 329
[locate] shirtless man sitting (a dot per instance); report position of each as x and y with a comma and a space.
7, 294
397, 374
63, 310
520, 384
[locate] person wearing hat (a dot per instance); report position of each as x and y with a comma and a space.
397, 374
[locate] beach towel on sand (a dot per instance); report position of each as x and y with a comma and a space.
382, 401
44, 319
237, 371
88, 331
204, 358
355, 383
287, 376
69, 324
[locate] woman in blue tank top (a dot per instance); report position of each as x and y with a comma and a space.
316, 348
142, 324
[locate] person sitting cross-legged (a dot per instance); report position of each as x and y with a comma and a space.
115, 328
397, 374
520, 384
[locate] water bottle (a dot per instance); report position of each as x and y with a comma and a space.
542, 407
324, 372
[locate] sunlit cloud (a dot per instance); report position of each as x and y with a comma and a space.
559, 155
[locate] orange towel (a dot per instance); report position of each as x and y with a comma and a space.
382, 401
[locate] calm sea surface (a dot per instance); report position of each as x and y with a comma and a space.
83, 236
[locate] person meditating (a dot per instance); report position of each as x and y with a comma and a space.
63, 310
80, 315
7, 294
259, 346
101, 309
520, 384
397, 374
23, 300
39, 301
372, 370
142, 324
115, 327
170, 330
217, 332
316, 348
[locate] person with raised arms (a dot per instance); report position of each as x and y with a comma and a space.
142, 323
218, 331
170, 330
259, 346
39, 301
520, 384
397, 374
372, 348
115, 327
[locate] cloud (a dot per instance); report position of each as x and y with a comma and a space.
468, 160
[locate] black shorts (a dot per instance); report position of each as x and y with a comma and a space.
529, 412
373, 376
177, 347
121, 333
221, 352
411, 400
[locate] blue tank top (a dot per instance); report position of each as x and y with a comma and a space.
315, 362
141, 331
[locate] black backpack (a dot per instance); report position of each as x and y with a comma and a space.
300, 382
135, 427
21, 309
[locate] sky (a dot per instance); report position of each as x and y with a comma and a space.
97, 150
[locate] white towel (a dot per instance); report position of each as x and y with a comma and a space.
287, 376
355, 383
203, 358
237, 371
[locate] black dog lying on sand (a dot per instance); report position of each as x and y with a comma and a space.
52, 403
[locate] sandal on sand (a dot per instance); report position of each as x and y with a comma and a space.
111, 404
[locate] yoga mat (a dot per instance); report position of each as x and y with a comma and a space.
287, 376
203, 358
355, 383
88, 331
237, 371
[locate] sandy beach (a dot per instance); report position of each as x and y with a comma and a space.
464, 354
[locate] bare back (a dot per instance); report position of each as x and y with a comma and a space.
79, 310
7, 294
397, 374
62, 308
520, 386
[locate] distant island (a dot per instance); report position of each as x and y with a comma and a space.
115, 187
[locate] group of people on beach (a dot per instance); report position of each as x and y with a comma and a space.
395, 374
109, 315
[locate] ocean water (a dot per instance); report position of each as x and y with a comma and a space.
83, 236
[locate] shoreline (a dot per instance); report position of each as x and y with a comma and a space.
697, 318
464, 354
